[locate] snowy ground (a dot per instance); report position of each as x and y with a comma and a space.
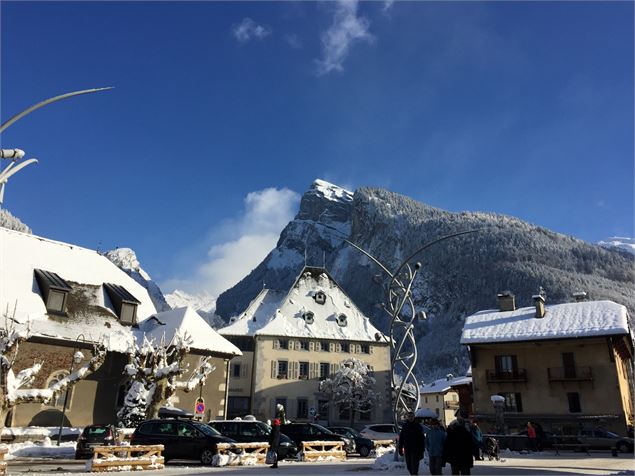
514, 464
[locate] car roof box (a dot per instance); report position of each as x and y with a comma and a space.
172, 412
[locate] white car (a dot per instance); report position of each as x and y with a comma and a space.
382, 431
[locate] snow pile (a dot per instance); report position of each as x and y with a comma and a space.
386, 462
29, 449
233, 459
576, 319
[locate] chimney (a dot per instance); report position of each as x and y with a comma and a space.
539, 302
580, 296
506, 301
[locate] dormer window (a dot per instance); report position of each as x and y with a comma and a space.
125, 303
320, 297
54, 291
308, 317
341, 320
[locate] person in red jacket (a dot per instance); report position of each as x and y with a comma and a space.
532, 435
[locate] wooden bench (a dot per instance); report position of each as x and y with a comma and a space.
256, 450
315, 450
3, 464
109, 458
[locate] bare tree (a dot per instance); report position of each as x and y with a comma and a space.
154, 369
352, 388
12, 385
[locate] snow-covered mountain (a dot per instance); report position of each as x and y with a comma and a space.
459, 276
127, 260
619, 242
203, 303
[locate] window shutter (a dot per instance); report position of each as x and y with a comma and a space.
243, 370
276, 344
311, 346
312, 370
370, 348
274, 368
331, 347
334, 368
293, 370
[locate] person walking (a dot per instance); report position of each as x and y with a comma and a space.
459, 444
274, 437
435, 441
477, 436
532, 435
412, 443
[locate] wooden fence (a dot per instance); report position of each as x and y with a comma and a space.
113, 458
315, 450
255, 450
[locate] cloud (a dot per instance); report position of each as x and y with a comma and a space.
248, 240
387, 5
248, 29
346, 29
293, 41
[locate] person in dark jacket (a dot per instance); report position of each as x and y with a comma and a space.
459, 445
412, 442
274, 438
435, 441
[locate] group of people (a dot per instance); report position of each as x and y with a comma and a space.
458, 445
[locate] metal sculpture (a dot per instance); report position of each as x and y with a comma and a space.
14, 155
401, 308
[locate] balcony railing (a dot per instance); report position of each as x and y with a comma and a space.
569, 374
516, 375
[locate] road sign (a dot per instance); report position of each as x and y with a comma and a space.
312, 411
200, 406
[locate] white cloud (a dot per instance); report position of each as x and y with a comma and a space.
248, 29
387, 5
250, 237
346, 28
293, 41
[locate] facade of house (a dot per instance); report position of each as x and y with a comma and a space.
564, 366
291, 340
71, 298
443, 397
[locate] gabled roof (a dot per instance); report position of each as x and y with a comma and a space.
561, 321
443, 385
90, 313
279, 313
165, 325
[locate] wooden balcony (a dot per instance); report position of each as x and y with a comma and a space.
501, 376
569, 374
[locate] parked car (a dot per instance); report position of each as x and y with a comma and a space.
300, 432
363, 445
95, 435
251, 431
600, 439
182, 439
383, 431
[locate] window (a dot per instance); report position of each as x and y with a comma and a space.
284, 343
344, 413
568, 363
365, 348
237, 406
320, 297
346, 347
574, 402
304, 370
426, 399
506, 364
513, 402
54, 291
59, 397
283, 368
165, 428
308, 317
323, 409
303, 408
437, 397
341, 320
304, 345
323, 346
236, 370
324, 370
125, 304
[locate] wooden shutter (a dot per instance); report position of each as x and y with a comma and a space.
274, 368
331, 347
334, 368
370, 348
313, 370
243, 370
276, 344
311, 346
293, 370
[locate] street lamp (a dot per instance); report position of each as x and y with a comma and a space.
77, 358
401, 309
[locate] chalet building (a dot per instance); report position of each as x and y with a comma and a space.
445, 396
565, 366
291, 340
71, 298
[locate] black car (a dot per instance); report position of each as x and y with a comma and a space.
363, 445
182, 439
95, 435
252, 431
300, 432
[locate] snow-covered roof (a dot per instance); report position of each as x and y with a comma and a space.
443, 385
92, 315
185, 320
561, 321
278, 313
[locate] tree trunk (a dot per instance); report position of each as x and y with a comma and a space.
155, 400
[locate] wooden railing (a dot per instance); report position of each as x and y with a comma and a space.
120, 458
572, 374
316, 450
516, 375
248, 450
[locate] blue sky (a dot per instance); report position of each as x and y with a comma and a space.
224, 113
